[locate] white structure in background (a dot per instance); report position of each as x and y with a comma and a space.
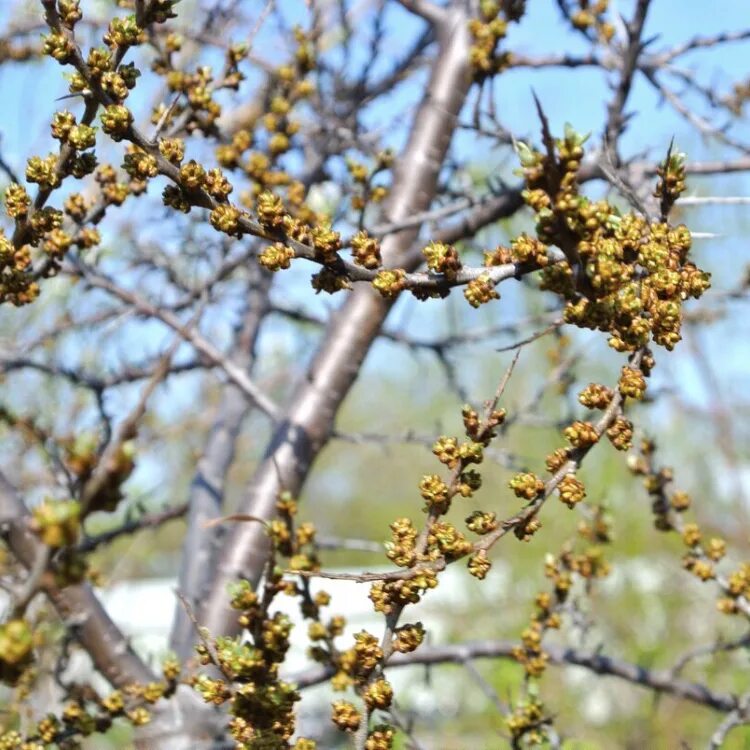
459, 609
144, 609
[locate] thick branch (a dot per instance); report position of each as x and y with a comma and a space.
206, 493
424, 9
309, 421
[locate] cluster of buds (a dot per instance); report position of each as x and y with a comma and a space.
17, 201
387, 595
16, 285
481, 431
526, 486
480, 291
346, 716
226, 218
43, 171
380, 738
435, 493
326, 242
124, 32
262, 705
139, 164
113, 192
442, 259
57, 522
448, 541
116, 120
401, 548
366, 250
621, 274
526, 250
390, 283
595, 396
528, 722
275, 257
479, 564
620, 433
56, 243
738, 585
58, 46
699, 566
557, 459
408, 638
632, 383
571, 490
65, 129
487, 31
592, 15
366, 192
739, 97
482, 522
671, 182
378, 694
581, 434
16, 650
329, 281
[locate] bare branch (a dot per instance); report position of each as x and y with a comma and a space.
425, 9
658, 681
76, 605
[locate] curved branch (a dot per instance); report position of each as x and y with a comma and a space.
660, 681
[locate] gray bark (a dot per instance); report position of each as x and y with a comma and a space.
309, 420
206, 495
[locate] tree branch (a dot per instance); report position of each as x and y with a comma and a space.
309, 421
206, 494
660, 681
430, 12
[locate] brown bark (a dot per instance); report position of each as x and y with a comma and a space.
77, 605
